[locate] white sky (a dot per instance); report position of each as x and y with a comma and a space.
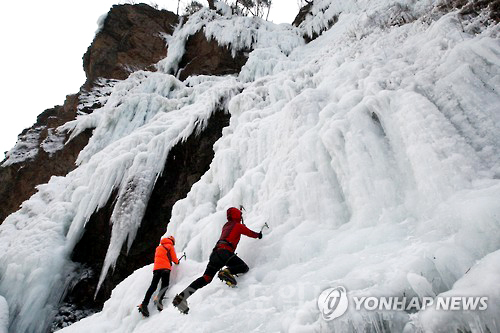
43, 43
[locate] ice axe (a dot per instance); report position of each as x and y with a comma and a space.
183, 256
241, 210
264, 226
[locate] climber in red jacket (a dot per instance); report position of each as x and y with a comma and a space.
222, 255
164, 257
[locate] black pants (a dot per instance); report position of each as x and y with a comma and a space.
218, 259
159, 274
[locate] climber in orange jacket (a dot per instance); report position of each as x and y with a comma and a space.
164, 257
222, 255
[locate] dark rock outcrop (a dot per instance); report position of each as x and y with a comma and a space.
207, 57
303, 12
130, 39
473, 8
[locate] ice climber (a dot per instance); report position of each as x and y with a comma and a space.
164, 257
222, 255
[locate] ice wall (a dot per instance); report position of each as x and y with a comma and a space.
372, 152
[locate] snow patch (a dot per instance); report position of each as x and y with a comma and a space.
53, 142
26, 147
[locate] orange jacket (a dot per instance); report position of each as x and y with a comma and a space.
165, 255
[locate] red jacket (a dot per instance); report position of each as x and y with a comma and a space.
165, 255
231, 233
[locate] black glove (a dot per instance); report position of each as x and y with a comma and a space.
260, 235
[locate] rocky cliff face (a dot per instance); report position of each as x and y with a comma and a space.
131, 38
38, 156
207, 57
